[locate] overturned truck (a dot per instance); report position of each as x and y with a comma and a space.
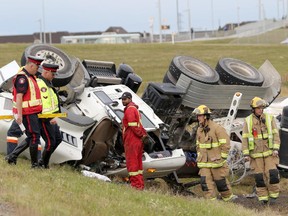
90, 91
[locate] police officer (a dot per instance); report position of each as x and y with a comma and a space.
50, 131
50, 101
260, 145
212, 145
27, 104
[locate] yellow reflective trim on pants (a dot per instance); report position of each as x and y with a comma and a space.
276, 146
263, 154
274, 195
135, 173
210, 165
227, 198
133, 124
261, 198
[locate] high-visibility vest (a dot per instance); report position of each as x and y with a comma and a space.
31, 99
49, 98
269, 135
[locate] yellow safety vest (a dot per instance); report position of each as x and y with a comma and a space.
251, 138
48, 97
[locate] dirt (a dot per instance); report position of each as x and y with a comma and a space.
280, 206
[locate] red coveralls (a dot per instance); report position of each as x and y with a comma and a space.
133, 131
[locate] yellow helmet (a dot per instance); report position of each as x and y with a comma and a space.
201, 110
258, 102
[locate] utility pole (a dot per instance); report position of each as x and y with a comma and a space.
43, 13
189, 20
40, 33
160, 23
177, 12
260, 6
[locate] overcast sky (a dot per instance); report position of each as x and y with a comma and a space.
29, 16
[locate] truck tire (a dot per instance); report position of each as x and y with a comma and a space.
168, 78
193, 68
236, 72
52, 55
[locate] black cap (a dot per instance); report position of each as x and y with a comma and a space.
50, 67
34, 59
126, 95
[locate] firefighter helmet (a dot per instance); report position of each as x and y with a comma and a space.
201, 110
258, 102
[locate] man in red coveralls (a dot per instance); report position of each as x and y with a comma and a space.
133, 134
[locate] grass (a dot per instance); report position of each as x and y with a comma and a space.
151, 61
63, 191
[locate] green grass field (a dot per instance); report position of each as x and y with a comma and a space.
63, 191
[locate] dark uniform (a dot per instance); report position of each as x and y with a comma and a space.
49, 132
27, 104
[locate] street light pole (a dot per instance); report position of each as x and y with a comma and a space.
260, 6
160, 23
43, 13
212, 15
189, 20
40, 33
177, 11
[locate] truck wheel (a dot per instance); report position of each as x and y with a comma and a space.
236, 72
193, 68
168, 78
52, 55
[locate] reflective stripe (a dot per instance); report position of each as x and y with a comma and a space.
208, 145
135, 173
251, 138
274, 195
12, 139
228, 198
261, 198
246, 152
262, 154
210, 164
222, 141
276, 146
132, 124
205, 146
224, 155
275, 131
31, 103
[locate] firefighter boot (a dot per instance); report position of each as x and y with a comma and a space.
34, 156
12, 158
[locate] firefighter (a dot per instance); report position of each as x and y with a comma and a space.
27, 104
212, 145
50, 131
260, 146
133, 136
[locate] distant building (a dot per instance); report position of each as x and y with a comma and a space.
111, 35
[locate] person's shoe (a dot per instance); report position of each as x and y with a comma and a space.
272, 201
10, 160
264, 202
35, 166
